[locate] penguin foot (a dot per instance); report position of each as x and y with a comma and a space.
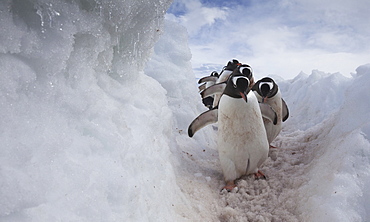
274, 147
260, 175
229, 186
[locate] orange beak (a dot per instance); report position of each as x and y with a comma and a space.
243, 96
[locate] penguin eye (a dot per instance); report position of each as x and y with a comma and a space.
236, 79
266, 86
247, 71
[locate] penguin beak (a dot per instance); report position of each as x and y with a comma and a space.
264, 99
244, 95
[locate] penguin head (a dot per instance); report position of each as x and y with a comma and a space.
237, 86
245, 70
214, 73
266, 88
232, 64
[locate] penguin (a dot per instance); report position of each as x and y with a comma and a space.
241, 139
240, 69
208, 81
267, 91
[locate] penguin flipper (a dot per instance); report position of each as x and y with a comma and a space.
208, 79
285, 110
214, 89
268, 112
202, 87
204, 119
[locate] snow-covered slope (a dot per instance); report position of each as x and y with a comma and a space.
82, 138
338, 174
94, 113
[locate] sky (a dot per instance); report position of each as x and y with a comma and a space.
280, 37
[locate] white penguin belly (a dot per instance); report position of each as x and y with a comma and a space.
272, 130
242, 141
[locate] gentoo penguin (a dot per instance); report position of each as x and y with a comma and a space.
267, 91
241, 69
209, 81
241, 140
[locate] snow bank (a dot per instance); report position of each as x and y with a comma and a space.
84, 132
313, 97
338, 175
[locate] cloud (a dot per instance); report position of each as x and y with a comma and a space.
196, 15
282, 37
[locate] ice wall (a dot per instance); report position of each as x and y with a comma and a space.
84, 132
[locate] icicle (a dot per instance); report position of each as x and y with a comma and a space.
39, 12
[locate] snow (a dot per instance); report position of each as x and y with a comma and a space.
96, 98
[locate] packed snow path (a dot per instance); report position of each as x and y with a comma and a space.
273, 199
